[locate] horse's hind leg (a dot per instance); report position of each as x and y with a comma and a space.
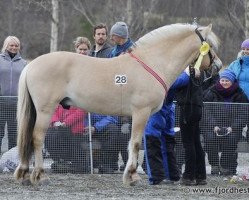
139, 120
22, 172
38, 175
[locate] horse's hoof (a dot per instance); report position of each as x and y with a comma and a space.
26, 182
135, 182
126, 179
131, 180
38, 177
44, 182
135, 179
21, 173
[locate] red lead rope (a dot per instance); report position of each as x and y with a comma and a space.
151, 71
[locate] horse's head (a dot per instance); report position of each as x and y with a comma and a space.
210, 59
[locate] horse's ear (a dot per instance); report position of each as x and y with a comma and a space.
209, 27
206, 30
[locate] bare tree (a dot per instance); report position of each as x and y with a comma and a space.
247, 18
81, 6
54, 26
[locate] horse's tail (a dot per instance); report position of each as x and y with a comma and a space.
26, 117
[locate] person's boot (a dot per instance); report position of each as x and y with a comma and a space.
201, 182
187, 182
215, 170
225, 172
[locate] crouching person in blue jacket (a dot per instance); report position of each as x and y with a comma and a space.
159, 140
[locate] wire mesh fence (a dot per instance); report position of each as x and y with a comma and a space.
101, 147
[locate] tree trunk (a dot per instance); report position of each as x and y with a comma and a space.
54, 26
247, 18
129, 12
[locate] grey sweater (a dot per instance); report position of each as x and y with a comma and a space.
10, 70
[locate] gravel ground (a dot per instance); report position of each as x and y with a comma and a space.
71, 186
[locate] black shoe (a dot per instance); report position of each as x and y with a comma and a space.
157, 182
61, 167
187, 182
80, 171
215, 170
169, 182
122, 168
201, 182
79, 168
105, 169
225, 172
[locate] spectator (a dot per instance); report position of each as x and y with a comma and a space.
122, 43
160, 140
241, 67
11, 66
82, 45
120, 37
103, 127
9, 160
65, 141
101, 48
189, 98
233, 119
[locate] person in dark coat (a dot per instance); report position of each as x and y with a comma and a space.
189, 99
225, 123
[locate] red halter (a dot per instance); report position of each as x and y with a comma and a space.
151, 71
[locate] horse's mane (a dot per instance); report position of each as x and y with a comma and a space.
171, 30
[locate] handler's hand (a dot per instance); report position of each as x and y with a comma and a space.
229, 130
216, 129
56, 124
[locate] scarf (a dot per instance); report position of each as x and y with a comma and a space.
226, 92
12, 55
118, 49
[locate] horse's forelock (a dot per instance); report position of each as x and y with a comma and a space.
213, 40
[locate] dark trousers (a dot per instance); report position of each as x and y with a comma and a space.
227, 145
61, 144
180, 153
160, 159
194, 155
109, 139
8, 114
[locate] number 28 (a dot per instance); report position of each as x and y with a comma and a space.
120, 79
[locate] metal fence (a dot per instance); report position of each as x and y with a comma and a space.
105, 151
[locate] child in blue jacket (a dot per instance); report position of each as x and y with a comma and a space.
159, 140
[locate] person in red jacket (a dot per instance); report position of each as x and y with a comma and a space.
66, 141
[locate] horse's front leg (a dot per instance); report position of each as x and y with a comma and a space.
139, 120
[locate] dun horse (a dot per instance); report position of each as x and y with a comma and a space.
134, 84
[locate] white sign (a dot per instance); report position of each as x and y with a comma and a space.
120, 79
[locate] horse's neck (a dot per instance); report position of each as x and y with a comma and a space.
170, 62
